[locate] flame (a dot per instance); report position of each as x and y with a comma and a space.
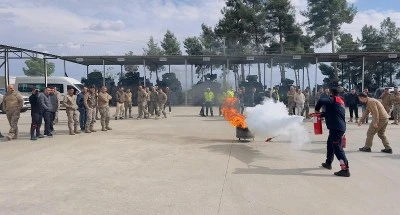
231, 114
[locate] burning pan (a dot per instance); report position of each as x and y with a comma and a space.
243, 133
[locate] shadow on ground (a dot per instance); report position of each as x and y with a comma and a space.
243, 153
260, 170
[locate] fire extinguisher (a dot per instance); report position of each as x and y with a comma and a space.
344, 141
317, 123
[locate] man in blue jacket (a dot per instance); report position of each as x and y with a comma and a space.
336, 123
81, 108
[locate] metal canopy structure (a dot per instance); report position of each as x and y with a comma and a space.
11, 52
222, 59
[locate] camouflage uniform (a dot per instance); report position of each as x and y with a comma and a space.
386, 102
128, 104
72, 114
90, 105
161, 101
104, 109
306, 104
291, 103
153, 102
12, 104
120, 110
395, 100
142, 103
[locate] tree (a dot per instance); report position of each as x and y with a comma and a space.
130, 68
171, 46
280, 16
193, 46
153, 50
325, 18
36, 67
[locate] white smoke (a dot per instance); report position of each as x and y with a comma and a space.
271, 119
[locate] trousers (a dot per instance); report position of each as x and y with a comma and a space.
104, 116
128, 108
82, 118
396, 112
36, 124
72, 119
90, 117
334, 147
382, 124
47, 122
353, 108
13, 118
208, 105
120, 110
364, 108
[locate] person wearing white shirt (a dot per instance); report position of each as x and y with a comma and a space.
299, 99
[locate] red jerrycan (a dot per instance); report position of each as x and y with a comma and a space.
317, 123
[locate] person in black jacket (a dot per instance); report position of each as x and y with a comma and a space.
352, 101
36, 114
336, 123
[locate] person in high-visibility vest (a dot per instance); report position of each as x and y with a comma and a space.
208, 101
275, 95
230, 93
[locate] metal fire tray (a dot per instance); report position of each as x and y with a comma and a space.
244, 133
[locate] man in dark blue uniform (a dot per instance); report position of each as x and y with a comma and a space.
336, 123
36, 114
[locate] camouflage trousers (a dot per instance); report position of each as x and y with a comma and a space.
13, 117
153, 108
128, 108
161, 109
90, 117
120, 110
142, 109
104, 116
291, 106
73, 121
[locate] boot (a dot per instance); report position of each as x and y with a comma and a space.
1, 136
103, 128
76, 131
108, 127
326, 166
87, 130
343, 173
91, 129
351, 120
71, 132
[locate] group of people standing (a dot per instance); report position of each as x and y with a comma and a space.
82, 110
299, 101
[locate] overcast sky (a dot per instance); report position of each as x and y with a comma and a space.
114, 27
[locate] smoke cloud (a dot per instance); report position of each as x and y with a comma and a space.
271, 119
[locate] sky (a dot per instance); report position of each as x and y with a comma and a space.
114, 27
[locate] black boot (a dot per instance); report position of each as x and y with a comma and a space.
365, 149
343, 173
389, 151
1, 136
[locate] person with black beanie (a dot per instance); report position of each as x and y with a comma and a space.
36, 114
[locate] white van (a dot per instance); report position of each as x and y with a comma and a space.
26, 84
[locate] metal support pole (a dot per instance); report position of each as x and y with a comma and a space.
363, 73
65, 70
87, 71
316, 77
104, 73
191, 76
6, 69
264, 78
270, 80
45, 72
186, 83
121, 74
144, 75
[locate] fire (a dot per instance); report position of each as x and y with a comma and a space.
231, 114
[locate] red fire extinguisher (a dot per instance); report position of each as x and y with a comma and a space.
344, 141
317, 123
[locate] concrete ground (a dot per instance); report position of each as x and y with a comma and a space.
190, 165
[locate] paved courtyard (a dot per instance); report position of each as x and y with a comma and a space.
190, 165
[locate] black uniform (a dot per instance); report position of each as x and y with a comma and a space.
36, 114
352, 102
336, 123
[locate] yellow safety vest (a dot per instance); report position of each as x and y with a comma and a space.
209, 96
